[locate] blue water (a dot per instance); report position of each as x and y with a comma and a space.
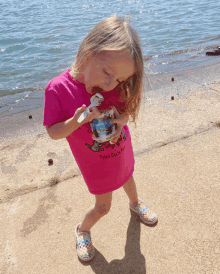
39, 39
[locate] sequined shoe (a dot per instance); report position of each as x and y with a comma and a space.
144, 213
84, 247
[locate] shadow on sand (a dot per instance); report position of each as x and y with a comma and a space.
133, 262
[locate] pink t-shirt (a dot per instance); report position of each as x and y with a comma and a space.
105, 167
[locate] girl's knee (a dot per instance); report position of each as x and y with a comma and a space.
103, 209
103, 203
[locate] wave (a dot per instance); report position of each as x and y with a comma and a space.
9, 92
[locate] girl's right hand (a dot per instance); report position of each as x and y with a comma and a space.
92, 113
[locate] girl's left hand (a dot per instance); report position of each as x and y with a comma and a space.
121, 120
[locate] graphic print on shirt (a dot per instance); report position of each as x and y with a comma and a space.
102, 127
96, 146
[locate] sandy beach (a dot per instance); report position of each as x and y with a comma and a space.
177, 163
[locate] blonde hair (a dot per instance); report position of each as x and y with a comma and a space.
116, 33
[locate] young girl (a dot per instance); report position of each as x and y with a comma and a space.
109, 61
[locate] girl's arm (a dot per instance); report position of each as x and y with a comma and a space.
64, 129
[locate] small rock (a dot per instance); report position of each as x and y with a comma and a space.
50, 161
30, 117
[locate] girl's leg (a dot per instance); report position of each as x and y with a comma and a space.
131, 191
101, 208
145, 214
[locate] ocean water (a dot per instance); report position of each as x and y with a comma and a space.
39, 39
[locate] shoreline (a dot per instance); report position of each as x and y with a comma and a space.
159, 83
186, 82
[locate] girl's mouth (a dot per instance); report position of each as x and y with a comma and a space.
96, 89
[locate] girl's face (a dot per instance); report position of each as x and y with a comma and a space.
104, 72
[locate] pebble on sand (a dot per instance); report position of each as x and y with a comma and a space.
50, 161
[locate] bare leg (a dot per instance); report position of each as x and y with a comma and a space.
131, 191
101, 208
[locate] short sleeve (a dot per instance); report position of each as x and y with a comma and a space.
53, 112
